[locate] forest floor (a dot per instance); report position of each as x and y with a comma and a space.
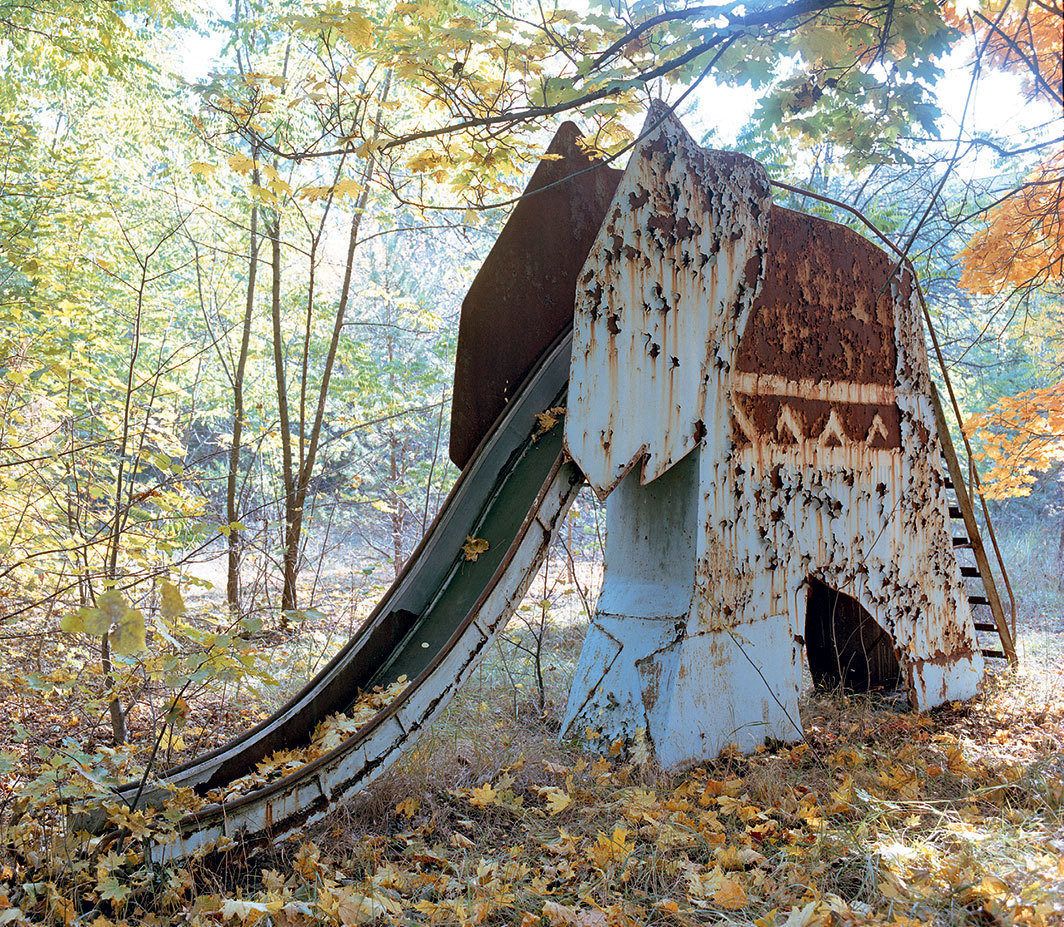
880, 815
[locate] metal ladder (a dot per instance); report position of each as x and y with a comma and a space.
987, 609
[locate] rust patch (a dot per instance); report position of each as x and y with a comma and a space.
816, 317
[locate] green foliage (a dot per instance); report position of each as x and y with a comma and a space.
113, 618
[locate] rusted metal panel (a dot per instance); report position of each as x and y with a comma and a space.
823, 311
817, 359
522, 297
660, 302
817, 461
839, 450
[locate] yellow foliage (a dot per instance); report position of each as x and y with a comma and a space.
610, 848
1020, 436
1022, 244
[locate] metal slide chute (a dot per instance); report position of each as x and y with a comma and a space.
434, 623
432, 627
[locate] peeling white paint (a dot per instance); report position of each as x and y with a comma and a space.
660, 303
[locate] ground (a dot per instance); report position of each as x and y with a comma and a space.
881, 815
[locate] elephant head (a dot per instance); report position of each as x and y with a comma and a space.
660, 304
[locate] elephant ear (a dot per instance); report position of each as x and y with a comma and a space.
661, 302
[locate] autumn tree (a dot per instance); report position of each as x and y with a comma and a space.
1018, 249
356, 108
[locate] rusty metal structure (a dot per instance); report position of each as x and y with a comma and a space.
768, 369
749, 388
521, 301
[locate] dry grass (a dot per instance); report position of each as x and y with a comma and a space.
880, 817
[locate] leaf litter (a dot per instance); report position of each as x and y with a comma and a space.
327, 736
878, 817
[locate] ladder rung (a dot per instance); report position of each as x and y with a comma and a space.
970, 571
995, 654
961, 542
978, 600
955, 512
985, 626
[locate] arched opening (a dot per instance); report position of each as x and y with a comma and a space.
845, 645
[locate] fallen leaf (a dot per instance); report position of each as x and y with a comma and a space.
738, 857
483, 796
358, 908
474, 547
545, 421
408, 807
557, 799
248, 912
731, 895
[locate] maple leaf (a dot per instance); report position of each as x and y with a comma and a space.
351, 188
356, 907
356, 28
557, 799
730, 894
801, 917
425, 161
242, 164
474, 547
307, 861
610, 848
560, 915
248, 912
641, 751
114, 891
313, 194
138, 823
482, 796
408, 807
738, 857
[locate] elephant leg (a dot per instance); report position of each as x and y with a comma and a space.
642, 610
732, 686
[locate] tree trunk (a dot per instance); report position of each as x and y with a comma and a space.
293, 521
297, 480
232, 508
